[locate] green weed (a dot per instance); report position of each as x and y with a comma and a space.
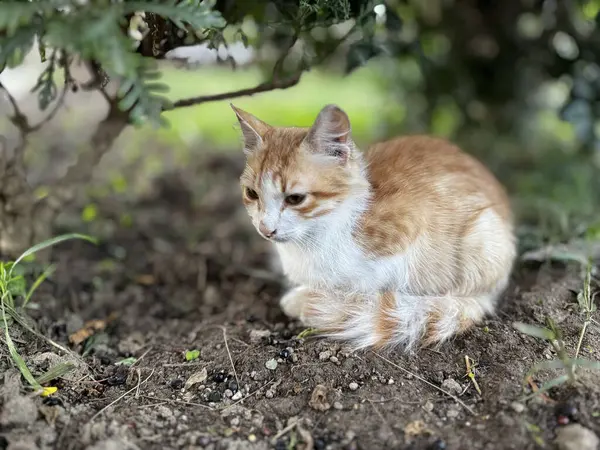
15, 296
553, 334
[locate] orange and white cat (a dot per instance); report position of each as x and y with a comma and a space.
409, 243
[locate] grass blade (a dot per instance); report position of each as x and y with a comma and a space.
535, 331
49, 243
56, 372
547, 386
18, 360
546, 365
49, 271
17, 318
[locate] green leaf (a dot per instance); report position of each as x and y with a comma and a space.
535, 331
17, 286
546, 365
50, 243
126, 362
191, 355
38, 281
56, 372
586, 363
46, 86
198, 15
16, 357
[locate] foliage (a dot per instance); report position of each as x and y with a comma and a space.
118, 40
14, 297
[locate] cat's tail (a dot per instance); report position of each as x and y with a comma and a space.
395, 319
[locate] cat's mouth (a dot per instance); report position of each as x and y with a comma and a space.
276, 238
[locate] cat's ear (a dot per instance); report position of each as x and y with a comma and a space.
253, 129
330, 134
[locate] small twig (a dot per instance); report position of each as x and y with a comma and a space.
229, 354
141, 357
286, 430
471, 374
122, 396
535, 389
18, 118
182, 402
137, 391
456, 399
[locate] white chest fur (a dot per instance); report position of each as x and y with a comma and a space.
334, 261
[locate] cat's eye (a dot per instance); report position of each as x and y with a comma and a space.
251, 194
294, 199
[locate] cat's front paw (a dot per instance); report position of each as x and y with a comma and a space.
292, 303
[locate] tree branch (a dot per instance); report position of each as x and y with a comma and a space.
18, 119
262, 87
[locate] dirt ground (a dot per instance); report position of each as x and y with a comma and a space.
187, 272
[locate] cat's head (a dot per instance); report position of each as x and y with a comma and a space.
297, 179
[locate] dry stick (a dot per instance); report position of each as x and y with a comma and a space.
141, 357
229, 354
136, 387
287, 429
456, 399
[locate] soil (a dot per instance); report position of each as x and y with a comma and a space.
181, 269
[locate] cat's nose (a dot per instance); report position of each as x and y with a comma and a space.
266, 231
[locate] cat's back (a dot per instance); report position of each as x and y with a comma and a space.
424, 182
429, 168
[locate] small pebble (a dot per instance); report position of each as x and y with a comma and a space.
269, 394
271, 364
232, 386
576, 437
517, 407
452, 386
324, 356
338, 405
252, 438
228, 393
428, 406
353, 386
452, 413
237, 396
390, 381
285, 354
334, 359
235, 422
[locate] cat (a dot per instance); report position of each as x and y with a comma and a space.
407, 245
